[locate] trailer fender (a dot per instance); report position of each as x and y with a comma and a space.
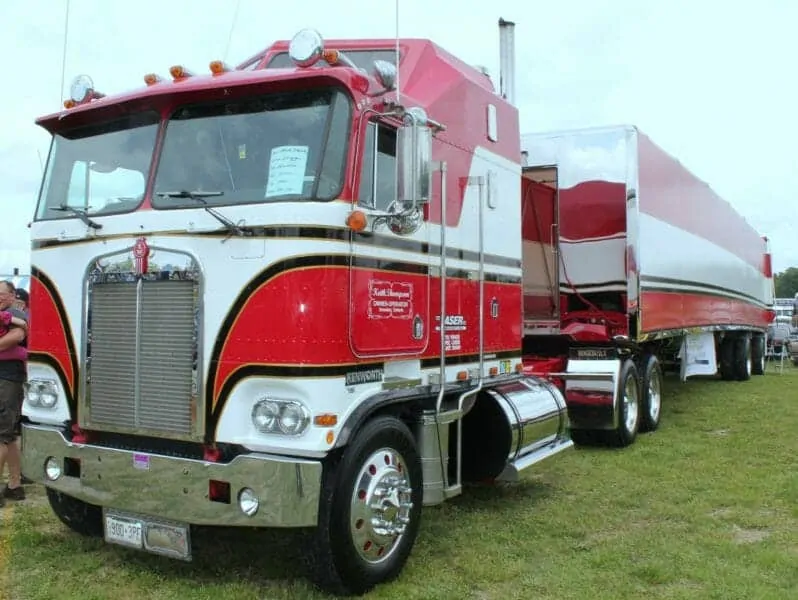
591, 392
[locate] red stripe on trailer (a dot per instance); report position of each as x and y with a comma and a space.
662, 311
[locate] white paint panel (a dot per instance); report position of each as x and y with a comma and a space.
594, 262
48, 416
670, 252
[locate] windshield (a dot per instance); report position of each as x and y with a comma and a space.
99, 169
286, 146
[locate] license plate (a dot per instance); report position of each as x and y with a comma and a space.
127, 532
144, 533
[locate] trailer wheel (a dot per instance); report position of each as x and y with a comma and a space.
758, 355
651, 393
726, 351
628, 406
80, 517
742, 360
369, 511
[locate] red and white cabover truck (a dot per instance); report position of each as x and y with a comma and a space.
252, 308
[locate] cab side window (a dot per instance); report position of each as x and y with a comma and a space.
378, 170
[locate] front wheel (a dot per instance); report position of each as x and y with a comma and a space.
370, 510
80, 517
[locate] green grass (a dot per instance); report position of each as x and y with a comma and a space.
705, 508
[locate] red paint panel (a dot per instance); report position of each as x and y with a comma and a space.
388, 310
592, 209
538, 211
538, 217
671, 193
47, 334
588, 398
299, 318
672, 310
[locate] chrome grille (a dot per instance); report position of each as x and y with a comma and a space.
142, 356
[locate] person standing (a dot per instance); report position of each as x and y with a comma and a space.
13, 374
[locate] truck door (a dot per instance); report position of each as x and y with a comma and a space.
389, 289
540, 237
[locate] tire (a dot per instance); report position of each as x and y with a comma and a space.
650, 393
80, 517
742, 364
758, 355
586, 437
347, 554
628, 406
726, 352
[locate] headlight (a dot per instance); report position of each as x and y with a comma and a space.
287, 417
42, 393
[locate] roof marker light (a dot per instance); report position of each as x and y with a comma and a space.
218, 67
152, 78
179, 72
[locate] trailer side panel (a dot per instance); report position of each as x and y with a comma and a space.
701, 264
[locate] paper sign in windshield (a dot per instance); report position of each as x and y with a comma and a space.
287, 170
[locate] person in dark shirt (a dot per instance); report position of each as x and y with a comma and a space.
13, 374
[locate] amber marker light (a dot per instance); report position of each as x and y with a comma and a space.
357, 220
179, 72
325, 420
218, 67
331, 56
152, 79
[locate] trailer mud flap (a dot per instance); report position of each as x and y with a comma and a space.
591, 392
697, 355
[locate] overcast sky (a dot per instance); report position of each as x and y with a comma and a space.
713, 85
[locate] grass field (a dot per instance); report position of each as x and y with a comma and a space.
705, 508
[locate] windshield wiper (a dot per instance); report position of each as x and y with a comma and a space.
199, 196
79, 213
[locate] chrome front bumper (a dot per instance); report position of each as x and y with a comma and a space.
178, 488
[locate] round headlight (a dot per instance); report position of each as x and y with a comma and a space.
292, 419
52, 469
47, 400
248, 502
264, 416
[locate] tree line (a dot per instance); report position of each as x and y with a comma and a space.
787, 283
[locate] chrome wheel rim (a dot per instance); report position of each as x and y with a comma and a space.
381, 505
654, 395
630, 404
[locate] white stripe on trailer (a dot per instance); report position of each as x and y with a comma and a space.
670, 253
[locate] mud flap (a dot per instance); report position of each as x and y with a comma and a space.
697, 355
591, 392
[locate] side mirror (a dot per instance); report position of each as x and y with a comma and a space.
414, 160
